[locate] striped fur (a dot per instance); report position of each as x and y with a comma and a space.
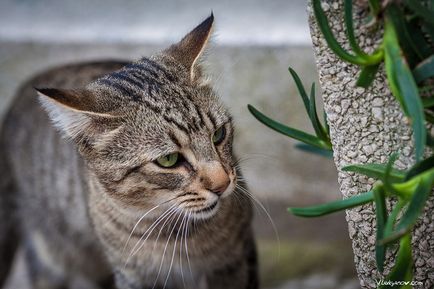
96, 206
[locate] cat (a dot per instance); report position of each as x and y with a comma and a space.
136, 186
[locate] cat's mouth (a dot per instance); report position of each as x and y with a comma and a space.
207, 209
207, 212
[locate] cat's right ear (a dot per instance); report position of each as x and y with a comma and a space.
189, 50
71, 111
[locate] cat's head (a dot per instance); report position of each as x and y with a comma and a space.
153, 132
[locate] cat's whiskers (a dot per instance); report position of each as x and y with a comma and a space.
181, 248
164, 251
163, 216
238, 201
238, 161
163, 226
174, 249
193, 231
186, 244
138, 222
253, 198
180, 251
253, 157
168, 218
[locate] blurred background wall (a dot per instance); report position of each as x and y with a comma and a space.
254, 43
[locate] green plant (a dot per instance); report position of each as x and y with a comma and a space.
319, 143
407, 51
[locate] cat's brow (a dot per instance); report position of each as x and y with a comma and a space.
212, 119
174, 139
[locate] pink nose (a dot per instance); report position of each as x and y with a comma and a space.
221, 188
215, 178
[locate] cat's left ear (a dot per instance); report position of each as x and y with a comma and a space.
190, 48
72, 111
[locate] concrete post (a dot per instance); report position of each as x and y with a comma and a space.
366, 125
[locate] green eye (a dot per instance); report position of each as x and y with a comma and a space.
219, 135
168, 161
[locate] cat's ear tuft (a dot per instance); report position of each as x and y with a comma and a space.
190, 48
71, 111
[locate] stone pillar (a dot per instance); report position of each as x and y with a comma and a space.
366, 125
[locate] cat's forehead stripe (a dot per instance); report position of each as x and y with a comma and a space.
133, 79
147, 63
129, 77
155, 87
124, 90
174, 139
178, 124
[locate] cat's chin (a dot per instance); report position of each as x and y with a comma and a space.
207, 212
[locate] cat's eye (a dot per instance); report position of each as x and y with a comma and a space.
219, 135
169, 160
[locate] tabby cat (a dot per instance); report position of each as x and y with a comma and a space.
141, 192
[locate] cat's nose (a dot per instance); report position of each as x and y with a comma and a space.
221, 188
216, 180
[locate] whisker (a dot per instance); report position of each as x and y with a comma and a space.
172, 218
135, 226
253, 156
238, 192
151, 227
164, 251
174, 251
238, 201
252, 197
183, 236
186, 245
169, 218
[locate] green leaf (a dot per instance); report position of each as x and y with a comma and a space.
310, 105
319, 130
348, 19
288, 131
417, 203
328, 208
414, 210
420, 168
300, 89
413, 55
376, 171
402, 271
381, 214
387, 180
403, 87
333, 43
367, 75
326, 123
391, 220
424, 70
315, 150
